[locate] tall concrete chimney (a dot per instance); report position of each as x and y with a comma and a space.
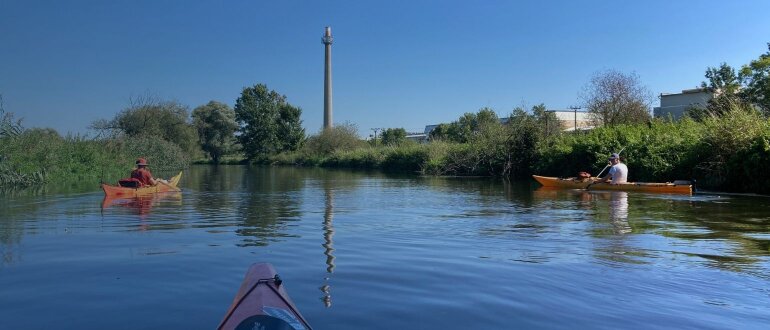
327, 41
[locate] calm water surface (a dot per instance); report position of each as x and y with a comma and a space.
370, 251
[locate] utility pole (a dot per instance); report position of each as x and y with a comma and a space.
575, 109
327, 41
376, 129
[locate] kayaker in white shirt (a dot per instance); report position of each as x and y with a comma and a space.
618, 172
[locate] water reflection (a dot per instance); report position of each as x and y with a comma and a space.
142, 206
725, 232
619, 212
616, 249
216, 189
263, 204
270, 201
328, 245
329, 230
10, 238
11, 231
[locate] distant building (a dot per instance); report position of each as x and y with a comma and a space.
571, 120
419, 137
676, 104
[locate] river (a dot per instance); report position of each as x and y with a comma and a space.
361, 250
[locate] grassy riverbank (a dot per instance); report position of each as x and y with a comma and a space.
725, 152
37, 156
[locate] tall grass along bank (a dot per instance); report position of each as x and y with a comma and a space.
727, 152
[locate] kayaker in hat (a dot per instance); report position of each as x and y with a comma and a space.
618, 172
143, 174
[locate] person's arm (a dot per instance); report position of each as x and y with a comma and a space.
148, 177
156, 181
608, 177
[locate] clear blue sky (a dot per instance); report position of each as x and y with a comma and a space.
64, 64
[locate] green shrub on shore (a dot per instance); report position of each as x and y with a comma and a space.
659, 150
732, 150
42, 155
161, 154
408, 158
363, 158
745, 171
339, 138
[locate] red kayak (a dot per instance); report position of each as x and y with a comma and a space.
262, 303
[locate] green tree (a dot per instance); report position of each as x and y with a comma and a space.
748, 89
393, 136
756, 76
268, 124
546, 120
290, 128
524, 133
615, 98
463, 129
723, 79
8, 127
726, 85
485, 116
216, 127
439, 133
169, 120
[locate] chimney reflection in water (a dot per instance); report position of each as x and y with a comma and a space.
328, 244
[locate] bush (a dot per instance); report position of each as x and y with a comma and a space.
393, 136
721, 152
161, 154
408, 158
365, 158
42, 155
724, 144
659, 151
338, 138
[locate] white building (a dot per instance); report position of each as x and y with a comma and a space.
571, 120
675, 104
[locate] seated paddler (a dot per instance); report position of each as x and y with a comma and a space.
618, 172
143, 174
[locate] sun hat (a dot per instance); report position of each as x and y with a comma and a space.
141, 161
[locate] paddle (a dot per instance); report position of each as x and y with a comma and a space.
604, 169
168, 185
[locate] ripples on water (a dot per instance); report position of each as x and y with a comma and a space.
368, 251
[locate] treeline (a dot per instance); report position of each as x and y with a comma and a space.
164, 132
721, 145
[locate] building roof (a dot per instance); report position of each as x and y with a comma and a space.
690, 91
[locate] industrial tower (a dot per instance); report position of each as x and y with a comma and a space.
327, 41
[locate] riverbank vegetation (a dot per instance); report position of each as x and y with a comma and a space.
40, 155
718, 151
722, 145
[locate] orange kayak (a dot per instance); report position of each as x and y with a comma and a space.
262, 303
677, 187
126, 192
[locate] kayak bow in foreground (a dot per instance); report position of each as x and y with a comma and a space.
262, 303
